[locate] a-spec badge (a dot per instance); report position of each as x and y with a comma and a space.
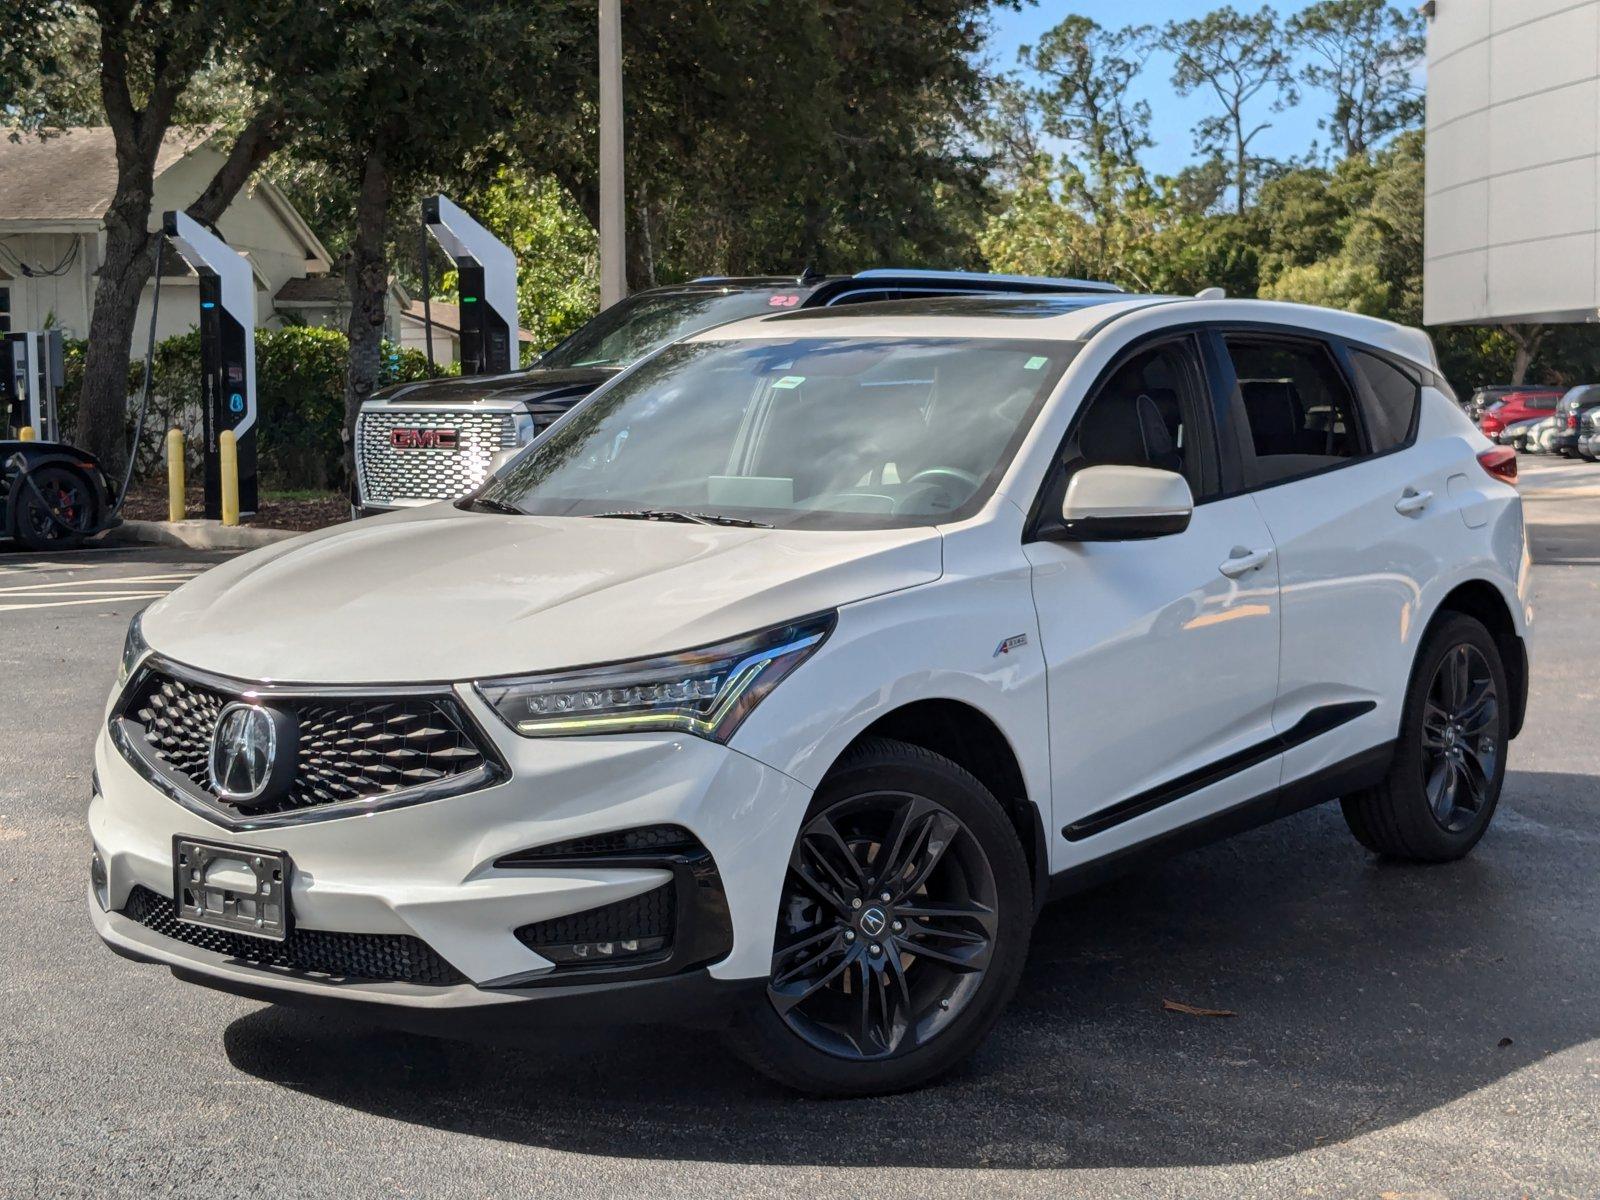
1010, 644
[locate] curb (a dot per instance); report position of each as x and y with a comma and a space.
198, 535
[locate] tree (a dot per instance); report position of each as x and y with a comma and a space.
1088, 74
1236, 57
395, 98
1365, 53
148, 56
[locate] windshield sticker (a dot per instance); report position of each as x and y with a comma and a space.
789, 381
1035, 363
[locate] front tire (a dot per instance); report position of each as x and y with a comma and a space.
1450, 759
55, 508
869, 994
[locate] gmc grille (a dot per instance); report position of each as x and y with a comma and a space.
388, 475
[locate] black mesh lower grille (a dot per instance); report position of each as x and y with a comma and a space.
348, 749
373, 956
648, 916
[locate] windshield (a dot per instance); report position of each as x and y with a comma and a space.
813, 432
633, 327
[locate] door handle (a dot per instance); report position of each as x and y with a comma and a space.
1243, 561
1412, 501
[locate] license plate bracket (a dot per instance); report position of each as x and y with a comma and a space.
240, 889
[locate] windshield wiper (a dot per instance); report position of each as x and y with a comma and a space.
688, 518
487, 504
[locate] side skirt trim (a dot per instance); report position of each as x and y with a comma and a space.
1314, 724
1353, 774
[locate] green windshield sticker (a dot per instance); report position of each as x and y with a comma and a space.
1035, 363
790, 381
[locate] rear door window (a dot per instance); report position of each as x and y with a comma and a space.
1391, 401
1297, 410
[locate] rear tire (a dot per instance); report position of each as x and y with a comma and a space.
869, 996
1450, 759
54, 508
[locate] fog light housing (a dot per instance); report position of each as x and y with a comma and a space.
620, 950
100, 881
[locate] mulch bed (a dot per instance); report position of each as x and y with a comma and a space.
147, 501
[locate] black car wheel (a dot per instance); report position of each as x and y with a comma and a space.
902, 928
1450, 760
55, 508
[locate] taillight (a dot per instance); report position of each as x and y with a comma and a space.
1501, 462
1572, 420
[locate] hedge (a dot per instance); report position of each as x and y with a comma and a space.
300, 374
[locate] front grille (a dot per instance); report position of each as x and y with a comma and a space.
652, 915
349, 749
390, 957
388, 475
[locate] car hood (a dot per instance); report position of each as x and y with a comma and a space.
533, 386
440, 594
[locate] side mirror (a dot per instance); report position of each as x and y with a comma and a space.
1120, 504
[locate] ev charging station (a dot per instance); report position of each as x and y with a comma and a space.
227, 354
31, 373
487, 271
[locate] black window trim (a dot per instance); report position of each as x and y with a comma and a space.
1193, 335
1230, 401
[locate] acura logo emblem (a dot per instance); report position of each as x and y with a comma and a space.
252, 754
873, 921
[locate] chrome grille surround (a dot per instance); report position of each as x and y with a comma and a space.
361, 749
386, 475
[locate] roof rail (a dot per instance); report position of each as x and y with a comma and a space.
1084, 285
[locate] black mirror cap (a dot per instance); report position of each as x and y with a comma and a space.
1140, 528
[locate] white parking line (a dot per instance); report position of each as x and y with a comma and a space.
118, 581
107, 599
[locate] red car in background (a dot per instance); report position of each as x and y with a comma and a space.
1520, 406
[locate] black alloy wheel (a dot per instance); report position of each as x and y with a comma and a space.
902, 927
56, 508
1460, 747
1449, 761
886, 927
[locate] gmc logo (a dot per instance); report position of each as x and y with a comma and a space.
422, 439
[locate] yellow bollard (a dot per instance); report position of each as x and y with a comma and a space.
175, 510
228, 451
25, 434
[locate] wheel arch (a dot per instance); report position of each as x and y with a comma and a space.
971, 739
1484, 602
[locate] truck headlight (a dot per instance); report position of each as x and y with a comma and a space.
133, 649
707, 692
525, 427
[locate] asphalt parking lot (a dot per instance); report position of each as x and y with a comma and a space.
1399, 1031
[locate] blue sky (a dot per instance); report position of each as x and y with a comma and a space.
1173, 116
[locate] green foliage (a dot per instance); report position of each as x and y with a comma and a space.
1363, 54
299, 388
557, 255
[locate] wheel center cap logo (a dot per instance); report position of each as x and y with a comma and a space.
874, 922
250, 748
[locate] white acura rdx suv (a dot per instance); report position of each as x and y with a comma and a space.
779, 684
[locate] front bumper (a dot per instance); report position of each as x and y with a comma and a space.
430, 870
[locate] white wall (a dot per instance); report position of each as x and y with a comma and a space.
1513, 191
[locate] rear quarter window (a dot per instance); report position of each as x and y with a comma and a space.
1391, 401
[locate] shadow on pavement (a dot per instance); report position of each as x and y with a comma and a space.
1365, 993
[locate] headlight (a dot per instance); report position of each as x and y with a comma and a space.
707, 692
525, 427
133, 649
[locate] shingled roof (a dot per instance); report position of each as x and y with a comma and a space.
71, 176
